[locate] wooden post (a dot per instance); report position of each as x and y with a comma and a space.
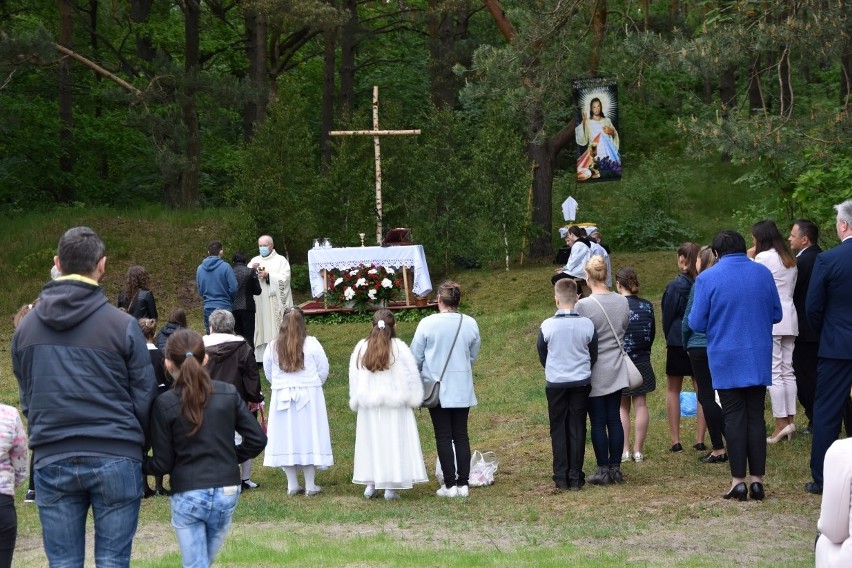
376, 134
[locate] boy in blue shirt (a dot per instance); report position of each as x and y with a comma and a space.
567, 349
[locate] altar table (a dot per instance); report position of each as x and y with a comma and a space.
404, 256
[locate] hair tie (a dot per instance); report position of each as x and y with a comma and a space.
188, 354
380, 324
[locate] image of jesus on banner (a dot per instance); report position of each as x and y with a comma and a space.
596, 132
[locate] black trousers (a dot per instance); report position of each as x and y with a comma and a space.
8, 529
567, 408
745, 429
805, 369
244, 325
834, 379
707, 396
450, 426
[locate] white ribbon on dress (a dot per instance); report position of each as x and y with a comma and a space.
295, 395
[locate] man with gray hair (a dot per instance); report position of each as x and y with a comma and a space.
230, 359
86, 386
829, 308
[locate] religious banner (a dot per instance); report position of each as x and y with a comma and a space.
596, 109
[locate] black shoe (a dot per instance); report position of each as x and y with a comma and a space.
699, 447
615, 474
677, 448
163, 491
739, 492
30, 497
248, 485
813, 487
756, 491
561, 485
148, 492
710, 458
600, 477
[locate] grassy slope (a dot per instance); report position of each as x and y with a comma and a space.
668, 513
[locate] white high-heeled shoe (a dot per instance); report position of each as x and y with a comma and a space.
787, 431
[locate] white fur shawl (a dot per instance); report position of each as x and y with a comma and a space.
395, 387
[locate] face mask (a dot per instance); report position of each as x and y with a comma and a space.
264, 251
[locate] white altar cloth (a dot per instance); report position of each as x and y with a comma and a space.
409, 256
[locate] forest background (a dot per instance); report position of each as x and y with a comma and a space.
167, 124
228, 104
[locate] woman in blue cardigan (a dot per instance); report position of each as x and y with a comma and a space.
438, 352
735, 304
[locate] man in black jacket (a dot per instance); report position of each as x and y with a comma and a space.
803, 239
231, 360
86, 386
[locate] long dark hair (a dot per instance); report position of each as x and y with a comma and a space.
689, 251
185, 349
377, 355
136, 279
767, 236
290, 345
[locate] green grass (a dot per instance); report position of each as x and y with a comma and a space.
668, 513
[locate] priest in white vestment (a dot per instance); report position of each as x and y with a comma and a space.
273, 272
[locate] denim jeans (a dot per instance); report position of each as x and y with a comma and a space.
201, 519
66, 489
607, 431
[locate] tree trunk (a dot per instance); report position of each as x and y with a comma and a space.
348, 38
728, 95
254, 111
846, 75
329, 71
447, 29
188, 196
66, 192
756, 104
785, 88
599, 32
503, 23
140, 11
103, 166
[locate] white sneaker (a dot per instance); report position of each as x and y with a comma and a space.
463, 490
625, 457
444, 492
638, 457
369, 491
391, 495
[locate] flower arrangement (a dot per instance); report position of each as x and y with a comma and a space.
362, 287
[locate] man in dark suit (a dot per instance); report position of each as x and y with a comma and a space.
803, 240
829, 309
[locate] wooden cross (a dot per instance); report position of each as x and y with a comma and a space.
376, 134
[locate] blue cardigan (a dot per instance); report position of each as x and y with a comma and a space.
735, 304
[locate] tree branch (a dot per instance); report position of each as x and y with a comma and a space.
98, 69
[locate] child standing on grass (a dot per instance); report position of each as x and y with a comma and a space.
567, 349
296, 366
384, 385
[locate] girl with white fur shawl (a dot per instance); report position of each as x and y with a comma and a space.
384, 387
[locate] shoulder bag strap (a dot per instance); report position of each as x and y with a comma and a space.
608, 321
458, 329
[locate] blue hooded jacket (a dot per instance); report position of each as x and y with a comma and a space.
216, 283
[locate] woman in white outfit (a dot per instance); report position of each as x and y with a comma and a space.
384, 387
296, 366
770, 250
834, 545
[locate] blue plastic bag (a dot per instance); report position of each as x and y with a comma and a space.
688, 403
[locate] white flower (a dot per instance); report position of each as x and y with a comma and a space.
349, 293
372, 271
361, 282
372, 294
353, 273
338, 282
387, 283
389, 270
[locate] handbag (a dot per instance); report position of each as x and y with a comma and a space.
634, 376
432, 388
